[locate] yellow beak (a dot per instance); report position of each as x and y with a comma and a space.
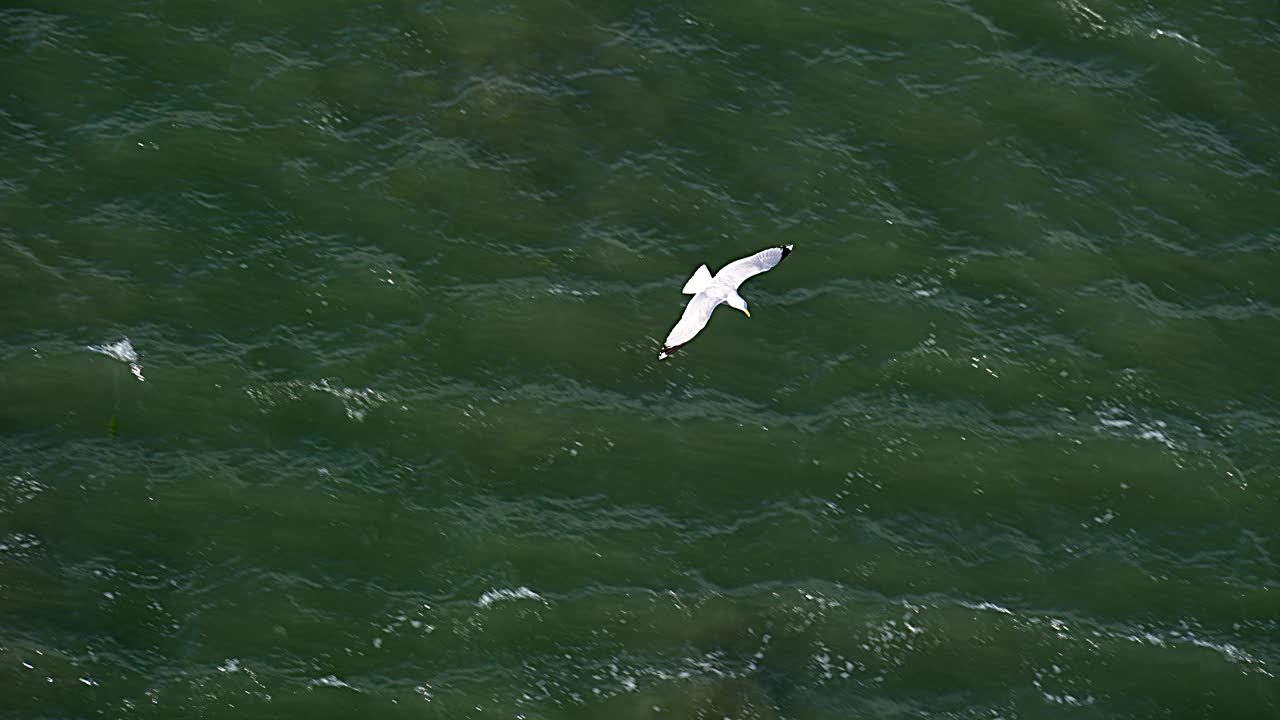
748, 312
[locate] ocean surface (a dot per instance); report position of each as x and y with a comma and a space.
328, 377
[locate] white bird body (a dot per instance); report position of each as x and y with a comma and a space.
709, 291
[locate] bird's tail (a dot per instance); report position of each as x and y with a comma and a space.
700, 280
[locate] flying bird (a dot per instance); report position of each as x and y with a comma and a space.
709, 291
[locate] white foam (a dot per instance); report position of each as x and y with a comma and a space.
123, 351
331, 681
984, 605
520, 593
357, 402
1117, 419
1226, 650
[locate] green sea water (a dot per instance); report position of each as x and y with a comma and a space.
328, 377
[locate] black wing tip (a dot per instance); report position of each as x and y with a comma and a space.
669, 350
786, 250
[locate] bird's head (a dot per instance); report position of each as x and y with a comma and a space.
736, 302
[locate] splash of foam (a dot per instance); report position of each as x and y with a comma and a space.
123, 351
332, 681
519, 593
357, 402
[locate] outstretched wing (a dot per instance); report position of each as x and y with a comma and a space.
695, 317
737, 271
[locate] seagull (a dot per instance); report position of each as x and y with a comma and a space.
709, 291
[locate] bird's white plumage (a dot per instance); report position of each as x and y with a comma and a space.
700, 280
738, 271
709, 291
696, 315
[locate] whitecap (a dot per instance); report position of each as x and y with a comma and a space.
123, 351
356, 402
984, 605
519, 593
332, 681
1117, 420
